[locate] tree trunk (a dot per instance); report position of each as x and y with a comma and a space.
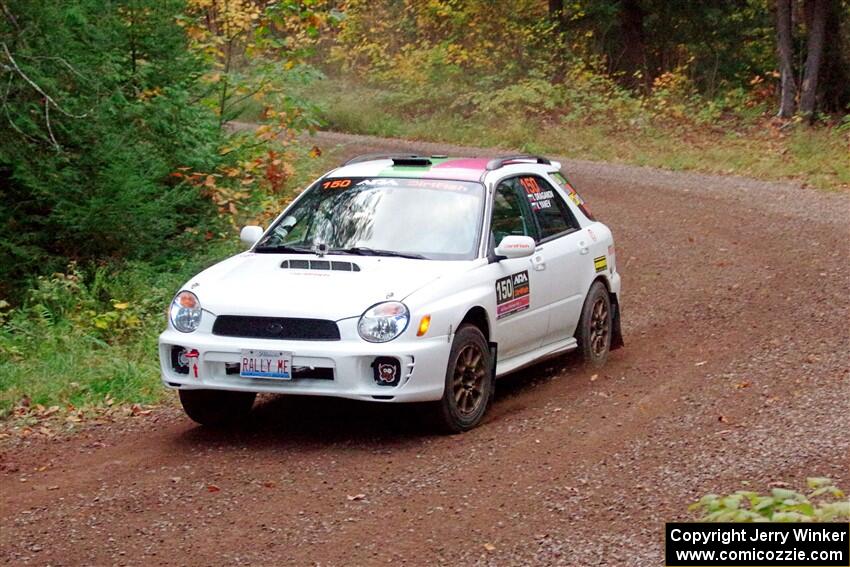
785, 51
834, 76
634, 45
814, 54
556, 14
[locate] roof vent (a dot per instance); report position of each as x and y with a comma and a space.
334, 265
412, 161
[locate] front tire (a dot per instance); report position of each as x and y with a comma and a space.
469, 382
216, 408
595, 326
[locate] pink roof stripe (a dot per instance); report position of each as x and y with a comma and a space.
467, 169
478, 164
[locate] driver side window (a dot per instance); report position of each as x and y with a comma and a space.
511, 215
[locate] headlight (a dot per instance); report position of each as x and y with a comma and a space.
383, 322
185, 312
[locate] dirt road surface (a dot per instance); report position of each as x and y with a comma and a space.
735, 373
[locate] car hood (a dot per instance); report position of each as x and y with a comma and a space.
256, 284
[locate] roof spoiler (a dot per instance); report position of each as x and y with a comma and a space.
507, 160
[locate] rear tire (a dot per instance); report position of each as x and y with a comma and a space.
595, 326
469, 383
216, 408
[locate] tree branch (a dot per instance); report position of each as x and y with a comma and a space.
10, 16
34, 85
56, 145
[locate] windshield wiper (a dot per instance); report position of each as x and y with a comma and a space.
365, 251
283, 249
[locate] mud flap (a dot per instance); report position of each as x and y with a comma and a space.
617, 331
494, 350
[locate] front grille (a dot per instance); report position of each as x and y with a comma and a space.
289, 328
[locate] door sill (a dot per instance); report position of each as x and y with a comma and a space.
537, 355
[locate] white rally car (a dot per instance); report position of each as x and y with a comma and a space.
399, 279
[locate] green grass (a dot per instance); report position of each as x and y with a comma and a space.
53, 353
818, 156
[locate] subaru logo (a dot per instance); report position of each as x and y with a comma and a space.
274, 328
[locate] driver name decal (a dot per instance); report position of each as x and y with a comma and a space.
537, 198
513, 294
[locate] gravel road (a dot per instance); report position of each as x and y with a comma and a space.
735, 373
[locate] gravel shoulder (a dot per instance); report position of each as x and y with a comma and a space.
735, 371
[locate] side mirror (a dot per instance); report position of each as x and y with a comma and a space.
516, 247
250, 235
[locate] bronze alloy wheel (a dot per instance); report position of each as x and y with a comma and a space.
595, 328
600, 327
468, 382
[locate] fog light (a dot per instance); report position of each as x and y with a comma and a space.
387, 371
179, 360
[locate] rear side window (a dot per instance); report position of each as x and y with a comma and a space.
573, 195
550, 211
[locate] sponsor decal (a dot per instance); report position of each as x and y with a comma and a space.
439, 184
387, 373
600, 263
573, 195
192, 355
513, 294
592, 234
379, 182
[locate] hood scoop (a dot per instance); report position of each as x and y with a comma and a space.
333, 265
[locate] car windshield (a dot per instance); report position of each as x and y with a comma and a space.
420, 218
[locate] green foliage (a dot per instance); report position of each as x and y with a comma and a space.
112, 143
824, 502
86, 336
97, 114
119, 178
81, 338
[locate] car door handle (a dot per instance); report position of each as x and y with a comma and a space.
538, 262
582, 247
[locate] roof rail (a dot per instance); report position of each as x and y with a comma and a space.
505, 160
398, 159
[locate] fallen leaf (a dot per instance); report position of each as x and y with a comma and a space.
742, 385
53, 487
136, 409
489, 547
594, 377
722, 419
701, 363
213, 488
357, 497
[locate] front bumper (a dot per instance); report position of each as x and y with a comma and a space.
423, 366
